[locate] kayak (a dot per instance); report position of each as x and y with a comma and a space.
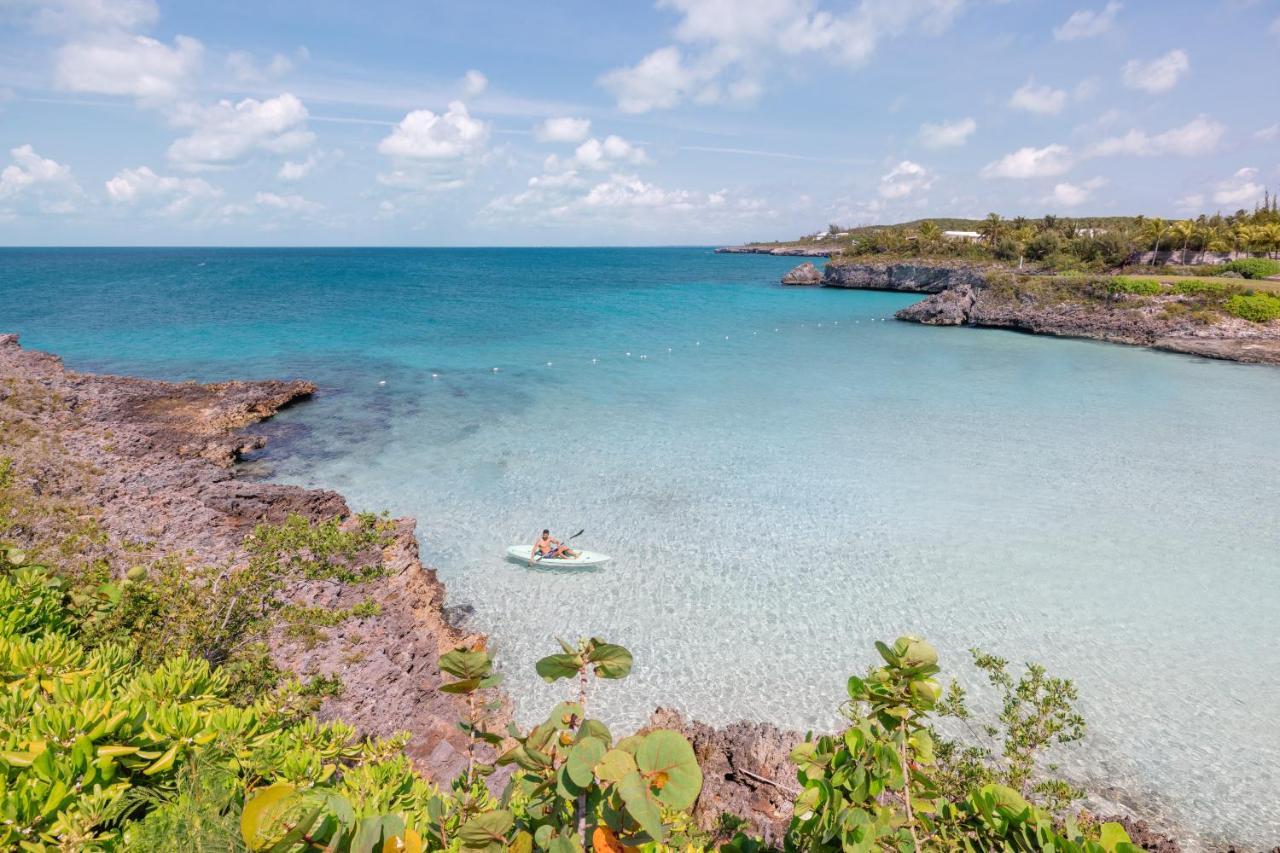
583, 560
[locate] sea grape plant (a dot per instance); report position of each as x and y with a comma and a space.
877, 785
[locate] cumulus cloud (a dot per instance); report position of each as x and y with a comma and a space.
245, 69
732, 48
562, 129
1088, 23
904, 179
226, 133
596, 155
1031, 162
1240, 190
474, 83
1159, 75
45, 184
176, 196
133, 65
424, 135
947, 134
1199, 136
1067, 194
1044, 100
1268, 134
291, 171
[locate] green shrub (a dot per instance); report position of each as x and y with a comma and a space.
1135, 286
1252, 267
1256, 307
1204, 288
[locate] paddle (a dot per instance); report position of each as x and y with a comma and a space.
574, 536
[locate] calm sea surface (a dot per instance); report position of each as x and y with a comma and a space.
781, 476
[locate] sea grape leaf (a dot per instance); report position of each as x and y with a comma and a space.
668, 763
610, 660
582, 761
486, 830
554, 667
615, 765
466, 664
641, 805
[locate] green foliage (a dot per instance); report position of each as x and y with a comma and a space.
1255, 307
1134, 286
1252, 267
890, 783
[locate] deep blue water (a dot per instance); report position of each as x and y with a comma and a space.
781, 475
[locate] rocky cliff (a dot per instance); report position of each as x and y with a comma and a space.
129, 470
1045, 305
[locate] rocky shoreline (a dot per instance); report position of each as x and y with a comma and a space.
966, 295
783, 251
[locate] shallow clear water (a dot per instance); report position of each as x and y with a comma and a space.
781, 477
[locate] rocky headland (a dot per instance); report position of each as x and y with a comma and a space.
988, 297
783, 250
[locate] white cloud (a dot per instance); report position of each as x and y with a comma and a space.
659, 81
1031, 163
904, 179
1158, 75
179, 196
245, 69
1240, 190
1199, 136
47, 184
741, 43
1066, 194
562, 129
288, 203
1192, 202
1087, 23
423, 135
474, 83
1268, 134
75, 15
133, 65
596, 155
947, 134
1044, 100
291, 171
226, 133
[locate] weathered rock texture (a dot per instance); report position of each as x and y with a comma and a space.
806, 273
137, 469
972, 296
904, 277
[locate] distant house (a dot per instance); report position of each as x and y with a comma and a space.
1090, 232
966, 236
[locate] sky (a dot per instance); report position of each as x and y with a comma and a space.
485, 123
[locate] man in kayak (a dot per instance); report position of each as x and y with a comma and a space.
549, 549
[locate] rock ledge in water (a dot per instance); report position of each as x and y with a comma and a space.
806, 273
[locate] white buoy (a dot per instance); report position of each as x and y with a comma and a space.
382, 382
628, 355
726, 337
697, 343
495, 370
593, 361
435, 376
643, 357
668, 349
548, 364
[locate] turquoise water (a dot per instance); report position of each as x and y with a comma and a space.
781, 476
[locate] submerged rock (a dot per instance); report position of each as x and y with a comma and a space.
806, 273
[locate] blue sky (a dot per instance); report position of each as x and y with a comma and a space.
137, 122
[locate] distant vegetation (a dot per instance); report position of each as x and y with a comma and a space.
1061, 244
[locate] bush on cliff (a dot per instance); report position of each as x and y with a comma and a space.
1255, 307
1252, 267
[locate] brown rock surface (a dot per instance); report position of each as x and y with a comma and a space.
137, 469
806, 273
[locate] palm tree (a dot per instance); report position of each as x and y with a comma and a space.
991, 228
929, 235
1184, 230
1153, 229
1271, 236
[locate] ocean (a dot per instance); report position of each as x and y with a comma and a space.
782, 476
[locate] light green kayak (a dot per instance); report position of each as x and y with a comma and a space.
583, 560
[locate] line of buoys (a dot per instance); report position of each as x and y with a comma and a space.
645, 357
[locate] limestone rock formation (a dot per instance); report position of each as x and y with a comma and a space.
806, 273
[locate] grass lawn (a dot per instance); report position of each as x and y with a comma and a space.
1246, 283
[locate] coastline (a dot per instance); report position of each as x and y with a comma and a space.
158, 461
978, 296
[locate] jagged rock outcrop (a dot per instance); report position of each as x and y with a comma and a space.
137, 469
804, 274
904, 277
746, 771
